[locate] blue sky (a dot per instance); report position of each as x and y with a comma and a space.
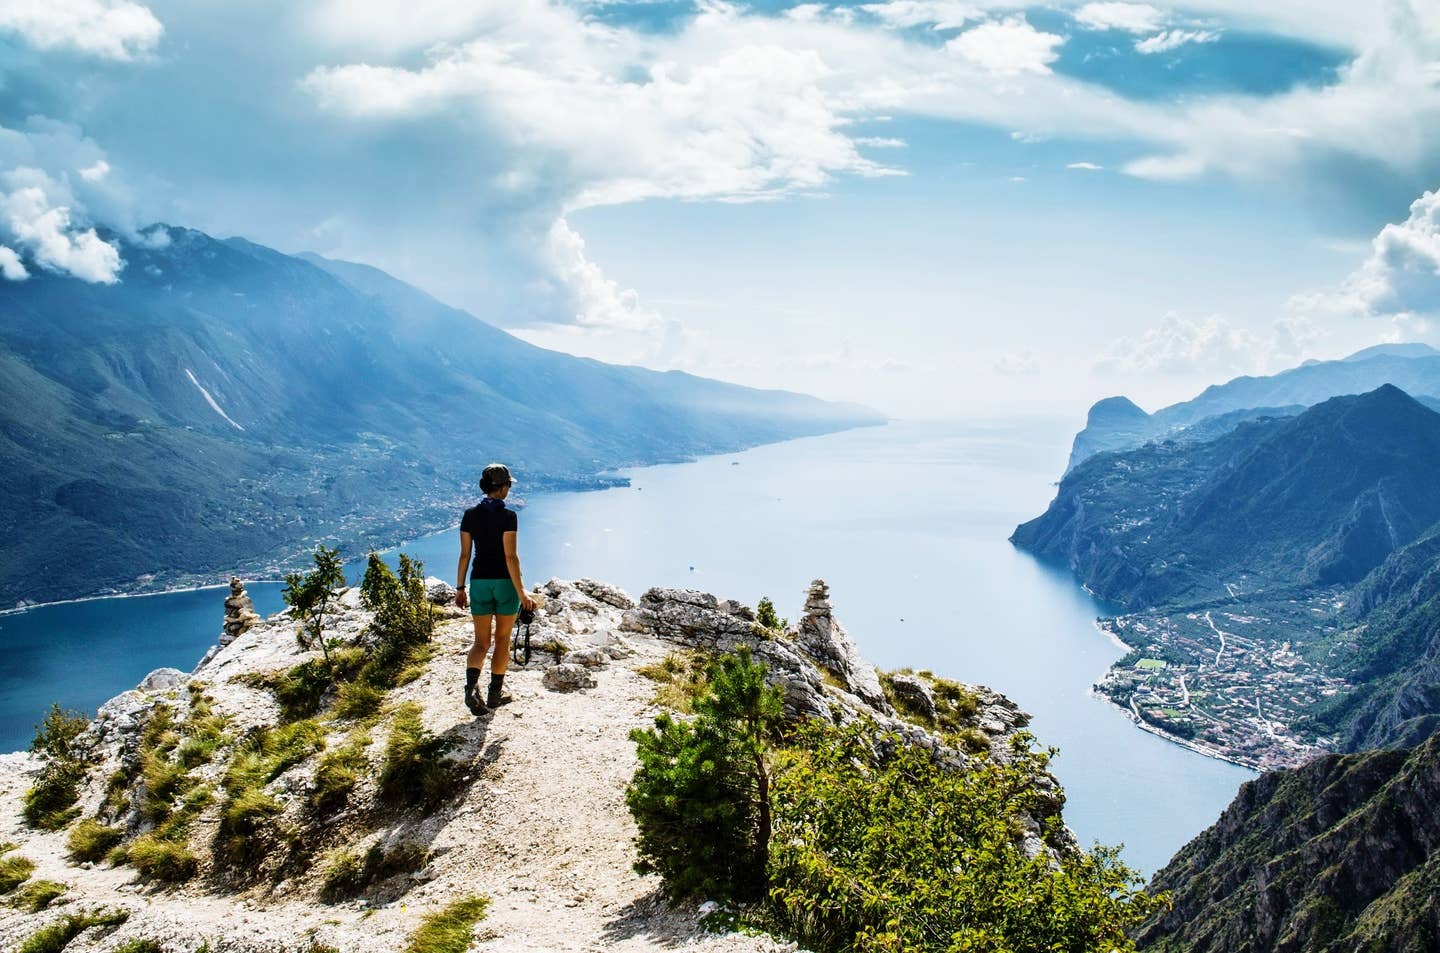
931, 206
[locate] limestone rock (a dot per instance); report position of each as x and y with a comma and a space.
568, 677
826, 641
438, 591
162, 679
913, 695
588, 658
601, 592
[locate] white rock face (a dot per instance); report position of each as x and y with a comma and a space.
568, 677
826, 641
162, 679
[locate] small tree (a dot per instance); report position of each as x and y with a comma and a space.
402, 610
308, 595
766, 617
701, 796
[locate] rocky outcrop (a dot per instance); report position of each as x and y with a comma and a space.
240, 613
826, 641
1341, 854
539, 782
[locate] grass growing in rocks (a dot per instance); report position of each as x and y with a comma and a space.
91, 841
450, 930
38, 894
349, 872
55, 937
262, 758
415, 769
680, 678
340, 769
14, 871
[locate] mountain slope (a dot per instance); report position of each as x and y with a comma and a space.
1341, 854
1414, 368
226, 404
1316, 499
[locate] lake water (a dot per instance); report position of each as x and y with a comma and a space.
908, 524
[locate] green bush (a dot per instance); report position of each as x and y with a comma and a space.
450, 930
682, 678
415, 770
56, 936
308, 595
899, 853
55, 736
91, 840
700, 796
767, 619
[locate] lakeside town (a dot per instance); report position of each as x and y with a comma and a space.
1234, 680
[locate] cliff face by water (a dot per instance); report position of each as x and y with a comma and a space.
238, 807
1341, 854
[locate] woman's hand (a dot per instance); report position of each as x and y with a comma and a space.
526, 602
462, 598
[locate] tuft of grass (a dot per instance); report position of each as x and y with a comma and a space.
38, 894
415, 769
356, 701
50, 804
248, 807
14, 871
338, 773
140, 946
163, 859
681, 680
450, 930
971, 740
348, 872
91, 840
56, 936
417, 660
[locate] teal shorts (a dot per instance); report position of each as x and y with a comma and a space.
493, 597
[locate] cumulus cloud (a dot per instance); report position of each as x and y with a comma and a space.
29, 221
1008, 47
1131, 17
11, 267
598, 301
1398, 281
1168, 40
1085, 166
96, 172
936, 14
1211, 345
110, 29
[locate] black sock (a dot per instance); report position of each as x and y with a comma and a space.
472, 676
496, 681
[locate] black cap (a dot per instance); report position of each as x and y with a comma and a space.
494, 477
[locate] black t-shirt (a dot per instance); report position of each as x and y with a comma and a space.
487, 525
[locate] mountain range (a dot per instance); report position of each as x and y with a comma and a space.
1117, 423
226, 405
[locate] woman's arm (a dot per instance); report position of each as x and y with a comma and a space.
512, 561
462, 598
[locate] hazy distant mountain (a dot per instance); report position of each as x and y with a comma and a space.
1321, 498
226, 403
1341, 854
1414, 368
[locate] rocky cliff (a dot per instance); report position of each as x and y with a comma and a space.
229, 808
1341, 854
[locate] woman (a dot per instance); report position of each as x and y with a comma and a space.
495, 593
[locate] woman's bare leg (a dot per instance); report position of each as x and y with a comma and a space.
500, 660
481, 648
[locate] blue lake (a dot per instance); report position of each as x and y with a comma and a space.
907, 522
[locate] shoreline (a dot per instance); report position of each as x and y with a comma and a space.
1144, 725
17, 610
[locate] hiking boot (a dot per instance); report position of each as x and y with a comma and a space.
473, 702
496, 697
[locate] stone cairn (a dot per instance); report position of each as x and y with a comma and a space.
240, 612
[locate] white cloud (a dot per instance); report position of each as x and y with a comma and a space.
1008, 47
31, 222
1166, 168
598, 301
1209, 346
1169, 40
1131, 17
1085, 166
111, 29
11, 267
1399, 281
880, 142
936, 14
96, 172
